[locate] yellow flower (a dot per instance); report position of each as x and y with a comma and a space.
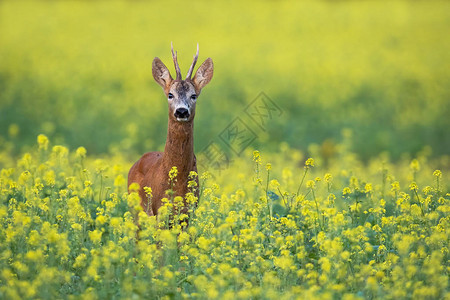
92, 272
23, 178
416, 210
413, 186
372, 283
274, 184
42, 141
35, 256
203, 243
283, 262
3, 212
76, 226
101, 219
192, 231
354, 183
231, 219
205, 175
168, 274
311, 184
346, 191
405, 243
134, 201
173, 173
148, 191
339, 219
80, 261
427, 190
183, 237
59, 151
116, 224
326, 265
437, 173
100, 166
191, 199
95, 236
34, 238
178, 200
381, 249
168, 239
395, 186
309, 163
192, 184
81, 152
345, 255
414, 165
119, 180
134, 187
256, 157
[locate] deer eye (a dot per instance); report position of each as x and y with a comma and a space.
170, 96
194, 97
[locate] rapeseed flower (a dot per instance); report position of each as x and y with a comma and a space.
42, 142
58, 216
81, 152
95, 236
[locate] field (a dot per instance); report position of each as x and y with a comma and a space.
335, 188
263, 230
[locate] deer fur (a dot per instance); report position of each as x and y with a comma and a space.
152, 169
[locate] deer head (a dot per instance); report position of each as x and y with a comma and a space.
182, 94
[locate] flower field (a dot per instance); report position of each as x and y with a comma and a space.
336, 187
283, 229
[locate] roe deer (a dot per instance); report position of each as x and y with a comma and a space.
152, 170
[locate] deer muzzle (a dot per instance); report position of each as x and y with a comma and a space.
182, 114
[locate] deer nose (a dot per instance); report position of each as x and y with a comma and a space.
182, 113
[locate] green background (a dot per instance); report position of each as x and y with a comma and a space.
80, 72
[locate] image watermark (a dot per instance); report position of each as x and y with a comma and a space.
214, 157
239, 134
263, 110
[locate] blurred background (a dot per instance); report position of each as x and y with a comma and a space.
375, 72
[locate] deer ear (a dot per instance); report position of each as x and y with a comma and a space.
204, 74
160, 73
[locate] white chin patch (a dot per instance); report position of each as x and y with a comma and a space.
182, 119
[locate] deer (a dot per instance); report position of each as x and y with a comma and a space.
152, 169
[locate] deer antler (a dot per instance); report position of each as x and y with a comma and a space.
175, 62
189, 73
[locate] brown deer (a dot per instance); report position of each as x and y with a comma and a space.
152, 169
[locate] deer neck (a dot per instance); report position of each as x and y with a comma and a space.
179, 149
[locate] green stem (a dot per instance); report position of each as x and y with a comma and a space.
301, 183
383, 182
420, 204
101, 188
269, 206
284, 200
317, 209
437, 186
